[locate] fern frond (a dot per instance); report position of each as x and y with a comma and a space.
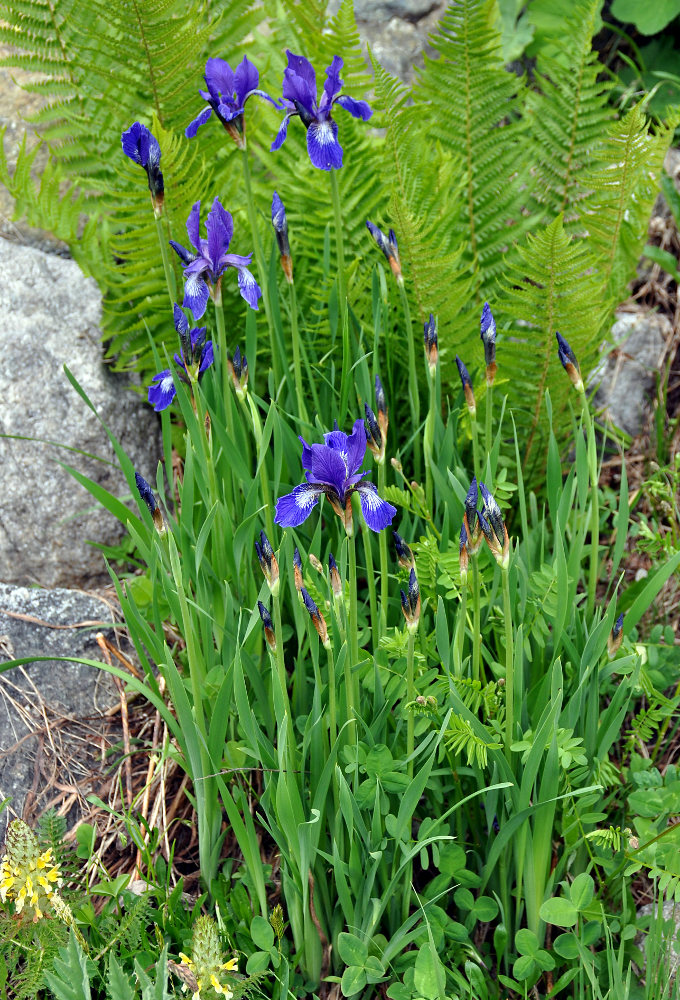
554, 288
472, 107
567, 117
624, 187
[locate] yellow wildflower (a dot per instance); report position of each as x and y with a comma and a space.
27, 876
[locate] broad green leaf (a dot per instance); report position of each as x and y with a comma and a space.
118, 985
582, 891
559, 911
352, 950
353, 981
648, 18
262, 933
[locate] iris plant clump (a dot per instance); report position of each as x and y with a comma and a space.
332, 470
300, 98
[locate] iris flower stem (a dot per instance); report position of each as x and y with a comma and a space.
475, 445
410, 744
414, 397
339, 241
382, 542
261, 266
595, 505
428, 440
224, 370
167, 266
261, 460
487, 418
368, 553
332, 713
281, 671
460, 634
297, 367
476, 621
353, 638
509, 667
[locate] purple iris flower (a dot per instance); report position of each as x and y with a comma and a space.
299, 93
197, 353
227, 93
332, 469
204, 268
142, 147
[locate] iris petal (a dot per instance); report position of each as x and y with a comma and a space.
378, 513
294, 508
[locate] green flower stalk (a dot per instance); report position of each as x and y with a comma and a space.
571, 366
473, 542
496, 535
432, 358
466, 382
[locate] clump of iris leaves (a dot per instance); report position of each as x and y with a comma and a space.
425, 737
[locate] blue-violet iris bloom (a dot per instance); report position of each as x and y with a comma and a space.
204, 268
299, 93
227, 93
196, 353
332, 469
142, 147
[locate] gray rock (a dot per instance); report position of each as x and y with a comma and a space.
51, 318
377, 11
626, 375
60, 702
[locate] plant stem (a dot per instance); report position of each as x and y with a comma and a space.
475, 446
297, 368
167, 266
226, 391
353, 638
281, 671
428, 439
332, 724
477, 620
487, 418
382, 543
339, 241
509, 667
460, 634
414, 396
593, 574
261, 266
370, 574
410, 744
261, 460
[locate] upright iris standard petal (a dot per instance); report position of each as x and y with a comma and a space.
204, 268
227, 93
332, 469
300, 99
